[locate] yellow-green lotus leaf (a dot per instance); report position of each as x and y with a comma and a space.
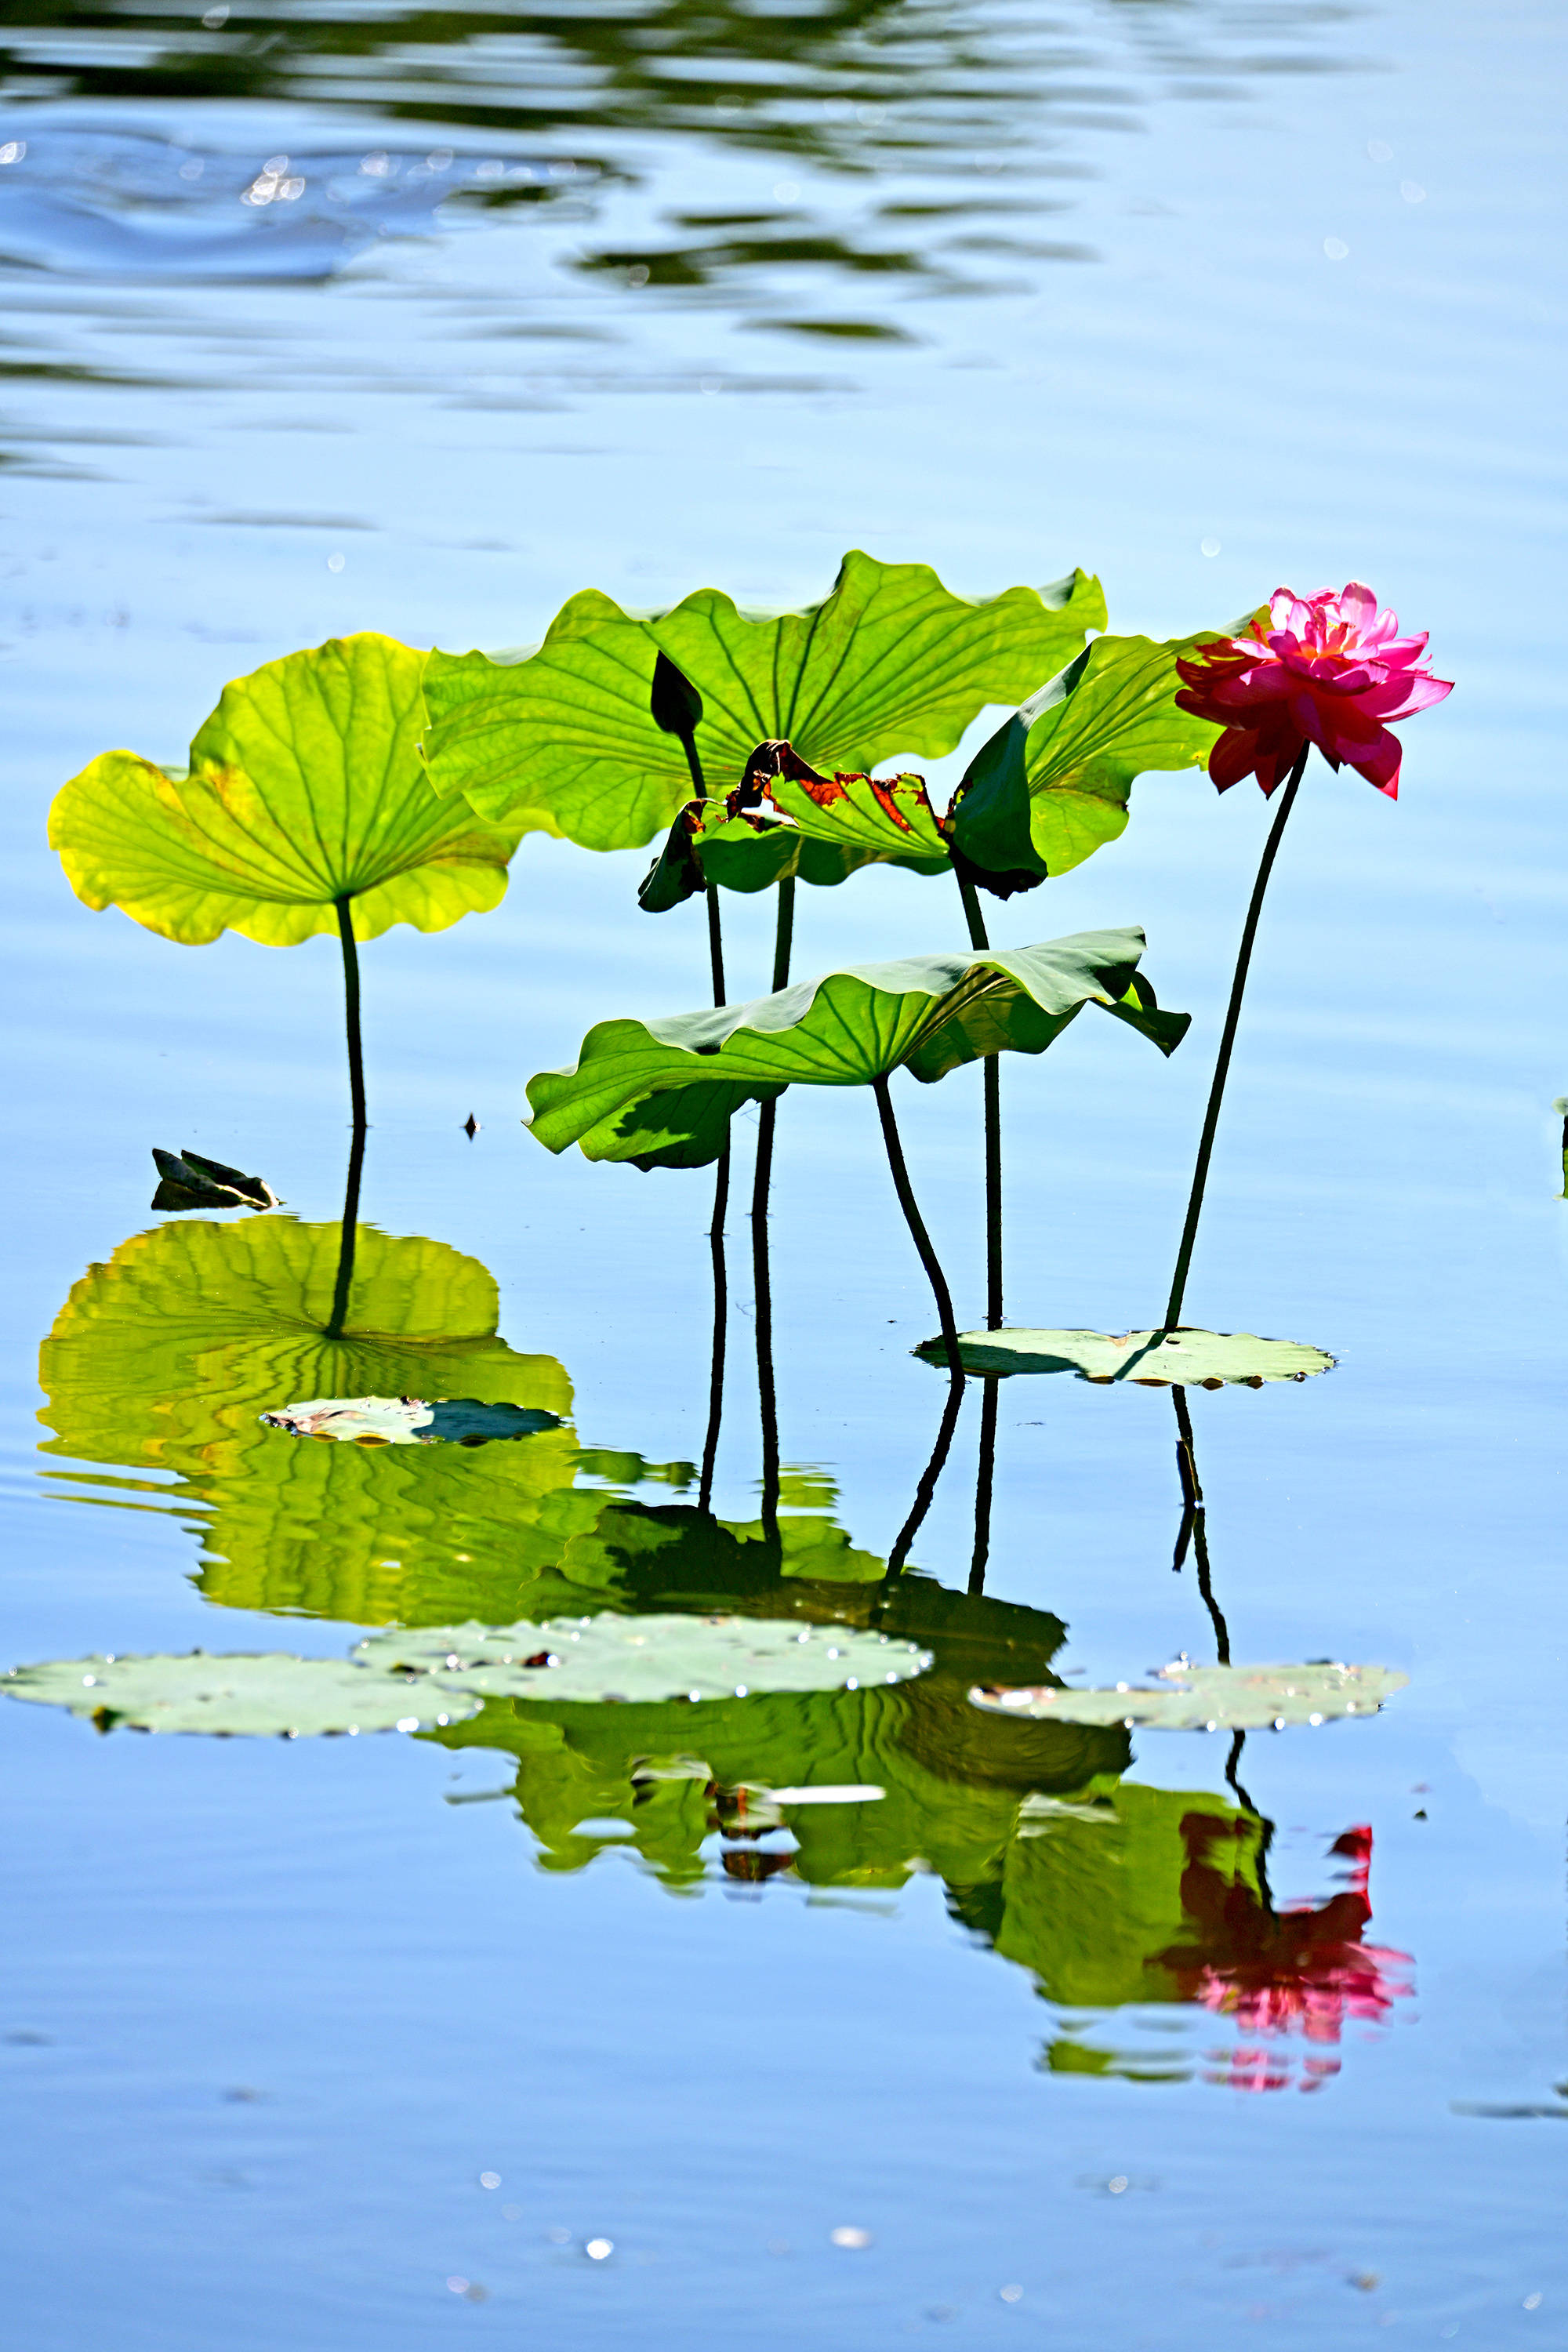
305, 786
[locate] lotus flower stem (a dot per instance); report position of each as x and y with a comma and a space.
1228, 1040
347, 1238
351, 1009
783, 932
1196, 1523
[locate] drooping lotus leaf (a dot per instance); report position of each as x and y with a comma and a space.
889, 664
304, 787
1187, 1357
274, 1693
1209, 1698
1051, 786
409, 1421
875, 822
643, 1658
661, 1092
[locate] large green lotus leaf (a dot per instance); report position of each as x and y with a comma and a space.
410, 1420
305, 786
625, 1659
886, 820
163, 1361
1187, 1357
1209, 1698
928, 1013
891, 663
274, 1694
1052, 784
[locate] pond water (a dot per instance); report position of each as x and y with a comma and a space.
548, 2022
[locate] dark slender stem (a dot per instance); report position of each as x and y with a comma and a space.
993, 1084
783, 932
929, 1477
1228, 1040
716, 944
720, 1329
351, 1010
346, 1239
916, 1224
1187, 1471
982, 1485
767, 1397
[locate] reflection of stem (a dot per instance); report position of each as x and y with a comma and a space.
721, 1323
1228, 1040
992, 1077
929, 1477
1194, 1524
341, 1288
767, 1398
351, 1009
982, 1486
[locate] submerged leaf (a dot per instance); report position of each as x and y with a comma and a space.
681, 1078
1210, 1698
275, 1693
409, 1421
643, 1658
304, 787
891, 663
1186, 1357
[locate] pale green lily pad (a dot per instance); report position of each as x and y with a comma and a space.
648, 1658
304, 787
272, 1692
409, 1421
661, 1093
1186, 1357
1209, 1698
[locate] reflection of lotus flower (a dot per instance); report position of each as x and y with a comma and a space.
1324, 669
1303, 1969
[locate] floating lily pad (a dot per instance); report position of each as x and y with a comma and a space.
410, 1420
1184, 1359
648, 1658
273, 1693
1208, 1699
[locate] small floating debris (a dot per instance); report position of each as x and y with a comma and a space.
410, 1420
187, 1180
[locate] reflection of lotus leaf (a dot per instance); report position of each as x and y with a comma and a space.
164, 1359
1210, 1698
1184, 1359
276, 1694
642, 1658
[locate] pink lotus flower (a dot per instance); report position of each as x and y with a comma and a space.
1324, 669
